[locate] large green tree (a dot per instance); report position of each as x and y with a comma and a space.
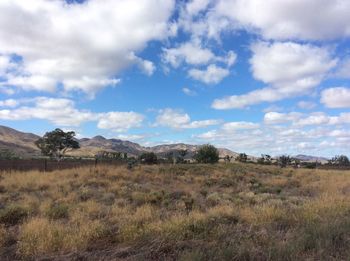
207, 154
56, 143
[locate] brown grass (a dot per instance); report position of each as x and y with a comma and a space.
185, 212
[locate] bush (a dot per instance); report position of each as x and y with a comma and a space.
242, 157
207, 154
57, 211
12, 215
284, 161
149, 158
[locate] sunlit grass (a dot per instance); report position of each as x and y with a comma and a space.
186, 212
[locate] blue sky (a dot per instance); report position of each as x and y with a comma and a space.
253, 76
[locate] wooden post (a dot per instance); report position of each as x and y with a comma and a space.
45, 165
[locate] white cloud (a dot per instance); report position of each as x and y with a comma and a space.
336, 97
343, 70
239, 125
306, 105
300, 119
188, 91
289, 69
195, 6
8, 103
120, 121
82, 46
211, 75
193, 53
291, 19
58, 111
179, 120
277, 117
62, 112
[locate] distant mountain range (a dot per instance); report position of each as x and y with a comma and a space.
309, 158
23, 145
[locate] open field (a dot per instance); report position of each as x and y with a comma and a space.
183, 212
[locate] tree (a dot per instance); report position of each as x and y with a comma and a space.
242, 157
227, 158
181, 156
265, 159
284, 160
56, 143
148, 158
207, 154
340, 160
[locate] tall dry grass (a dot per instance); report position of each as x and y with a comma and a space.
186, 212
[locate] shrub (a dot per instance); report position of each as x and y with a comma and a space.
57, 211
242, 157
207, 154
3, 235
12, 215
149, 158
283, 161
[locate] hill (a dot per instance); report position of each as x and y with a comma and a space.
23, 145
308, 158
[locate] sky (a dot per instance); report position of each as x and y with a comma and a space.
253, 76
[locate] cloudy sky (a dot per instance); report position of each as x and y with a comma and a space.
254, 76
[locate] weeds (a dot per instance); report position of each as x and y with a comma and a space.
182, 212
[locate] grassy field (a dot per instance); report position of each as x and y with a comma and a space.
182, 212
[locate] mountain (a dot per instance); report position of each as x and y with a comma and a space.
23, 145
308, 158
20, 143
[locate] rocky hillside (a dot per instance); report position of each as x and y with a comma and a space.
23, 145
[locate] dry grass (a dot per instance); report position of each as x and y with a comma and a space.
185, 212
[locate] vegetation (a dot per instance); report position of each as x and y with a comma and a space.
6, 154
207, 154
56, 143
148, 158
227, 211
340, 160
242, 157
265, 159
284, 161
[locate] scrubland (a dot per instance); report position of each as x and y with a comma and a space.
182, 212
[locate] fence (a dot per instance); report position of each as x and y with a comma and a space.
51, 165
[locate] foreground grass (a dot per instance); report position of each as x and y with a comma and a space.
182, 212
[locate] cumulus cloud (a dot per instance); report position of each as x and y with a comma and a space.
279, 139
63, 112
289, 19
306, 105
336, 97
211, 75
179, 120
78, 46
239, 125
120, 121
192, 53
277, 117
343, 70
300, 119
289, 69
8, 103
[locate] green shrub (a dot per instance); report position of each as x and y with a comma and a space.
13, 215
207, 154
58, 211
